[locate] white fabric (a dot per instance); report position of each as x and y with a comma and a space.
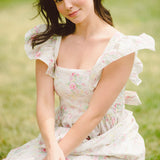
116, 136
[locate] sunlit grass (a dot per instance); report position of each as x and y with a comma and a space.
17, 81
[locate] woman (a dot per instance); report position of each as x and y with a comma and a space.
87, 62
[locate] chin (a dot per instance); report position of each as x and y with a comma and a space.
77, 20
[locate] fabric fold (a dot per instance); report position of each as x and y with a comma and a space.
44, 52
96, 147
131, 98
124, 45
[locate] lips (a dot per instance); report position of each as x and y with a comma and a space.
73, 13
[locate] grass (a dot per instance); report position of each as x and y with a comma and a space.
17, 81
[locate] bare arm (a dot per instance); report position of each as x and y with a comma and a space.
45, 104
113, 79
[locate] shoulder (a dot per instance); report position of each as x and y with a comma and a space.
127, 42
125, 45
46, 51
131, 43
46, 47
122, 45
35, 31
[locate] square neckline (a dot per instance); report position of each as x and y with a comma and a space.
58, 42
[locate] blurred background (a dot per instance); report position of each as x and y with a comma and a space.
17, 73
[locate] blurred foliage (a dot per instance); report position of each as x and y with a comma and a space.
9, 3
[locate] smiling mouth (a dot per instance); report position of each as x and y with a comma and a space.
73, 13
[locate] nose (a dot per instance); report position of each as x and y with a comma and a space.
68, 4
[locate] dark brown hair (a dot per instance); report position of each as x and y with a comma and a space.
57, 25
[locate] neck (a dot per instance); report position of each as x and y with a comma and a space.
90, 27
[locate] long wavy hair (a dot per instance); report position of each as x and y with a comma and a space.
58, 25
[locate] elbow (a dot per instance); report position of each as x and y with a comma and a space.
96, 115
44, 112
43, 108
45, 102
40, 110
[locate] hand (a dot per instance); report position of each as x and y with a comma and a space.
55, 153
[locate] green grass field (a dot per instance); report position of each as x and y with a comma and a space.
17, 80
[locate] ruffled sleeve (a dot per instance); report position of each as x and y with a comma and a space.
44, 52
121, 46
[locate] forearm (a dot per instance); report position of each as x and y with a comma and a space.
113, 79
79, 131
45, 104
46, 122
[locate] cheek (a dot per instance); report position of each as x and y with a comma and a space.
60, 9
85, 4
80, 2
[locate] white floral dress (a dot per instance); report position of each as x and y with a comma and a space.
116, 136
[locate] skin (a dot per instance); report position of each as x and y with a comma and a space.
90, 30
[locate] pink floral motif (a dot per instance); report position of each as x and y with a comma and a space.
83, 84
38, 54
51, 61
113, 52
75, 82
67, 125
40, 142
72, 85
63, 108
116, 107
36, 29
43, 149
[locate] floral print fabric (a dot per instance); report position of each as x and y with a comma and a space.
116, 136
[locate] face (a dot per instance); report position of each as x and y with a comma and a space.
75, 10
